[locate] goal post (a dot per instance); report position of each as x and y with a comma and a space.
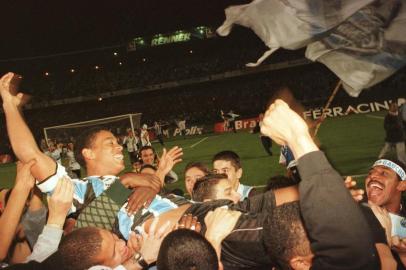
118, 124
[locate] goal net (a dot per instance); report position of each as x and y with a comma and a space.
118, 125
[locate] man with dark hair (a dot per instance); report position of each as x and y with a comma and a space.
192, 173
214, 187
402, 112
158, 132
385, 183
148, 156
91, 246
80, 248
228, 162
185, 250
288, 239
395, 135
85, 140
231, 118
340, 237
130, 141
98, 149
384, 186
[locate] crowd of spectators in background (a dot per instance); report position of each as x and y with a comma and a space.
105, 221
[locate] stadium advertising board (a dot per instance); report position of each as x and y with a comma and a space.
239, 125
200, 32
193, 130
336, 111
315, 113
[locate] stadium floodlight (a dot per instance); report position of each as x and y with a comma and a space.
118, 124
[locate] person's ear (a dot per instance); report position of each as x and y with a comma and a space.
401, 186
239, 173
299, 263
87, 153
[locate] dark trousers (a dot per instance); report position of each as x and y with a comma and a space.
160, 139
232, 126
267, 144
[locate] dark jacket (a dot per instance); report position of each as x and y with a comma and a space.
394, 129
339, 232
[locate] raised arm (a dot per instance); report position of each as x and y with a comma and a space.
21, 138
11, 216
58, 204
337, 229
167, 161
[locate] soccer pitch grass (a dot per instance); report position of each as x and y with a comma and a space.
352, 144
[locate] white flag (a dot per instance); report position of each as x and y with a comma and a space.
361, 41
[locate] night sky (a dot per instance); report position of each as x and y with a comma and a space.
33, 28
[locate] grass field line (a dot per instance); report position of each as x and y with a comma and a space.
353, 176
202, 140
374, 116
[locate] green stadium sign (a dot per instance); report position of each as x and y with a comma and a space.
200, 32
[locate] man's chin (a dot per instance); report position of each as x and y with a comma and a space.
376, 200
119, 168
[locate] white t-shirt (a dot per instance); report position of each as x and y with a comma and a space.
182, 124
131, 143
72, 163
145, 138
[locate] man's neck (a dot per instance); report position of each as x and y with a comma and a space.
99, 172
237, 185
394, 207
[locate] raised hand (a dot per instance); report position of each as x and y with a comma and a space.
60, 202
286, 127
9, 90
282, 124
169, 159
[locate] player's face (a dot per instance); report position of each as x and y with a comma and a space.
148, 156
226, 167
107, 153
114, 251
224, 191
191, 176
381, 184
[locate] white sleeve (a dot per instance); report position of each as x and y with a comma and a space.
49, 184
47, 244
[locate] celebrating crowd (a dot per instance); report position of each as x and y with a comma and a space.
109, 220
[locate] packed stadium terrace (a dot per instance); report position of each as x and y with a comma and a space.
214, 72
264, 228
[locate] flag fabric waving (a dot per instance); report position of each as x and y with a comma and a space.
360, 41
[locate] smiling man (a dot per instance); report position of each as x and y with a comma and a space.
97, 149
229, 163
385, 183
